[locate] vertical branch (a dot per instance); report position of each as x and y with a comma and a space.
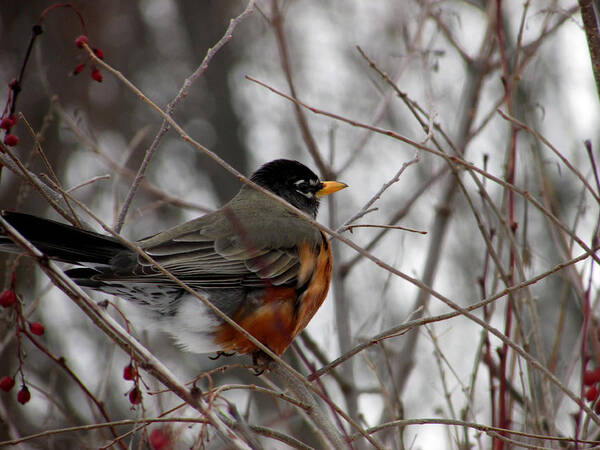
503, 413
342, 308
592, 33
438, 231
311, 145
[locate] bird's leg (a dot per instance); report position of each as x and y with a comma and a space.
261, 362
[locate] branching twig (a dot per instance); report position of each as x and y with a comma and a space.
113, 330
379, 193
171, 106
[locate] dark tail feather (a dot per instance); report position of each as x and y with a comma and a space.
60, 241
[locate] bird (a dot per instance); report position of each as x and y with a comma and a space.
264, 266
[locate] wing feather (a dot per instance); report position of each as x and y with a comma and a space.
214, 251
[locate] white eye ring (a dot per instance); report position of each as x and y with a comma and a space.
306, 194
312, 182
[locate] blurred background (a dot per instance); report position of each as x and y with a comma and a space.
448, 65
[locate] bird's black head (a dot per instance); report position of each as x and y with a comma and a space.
295, 183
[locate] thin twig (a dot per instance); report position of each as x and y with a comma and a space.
564, 160
171, 106
311, 145
301, 379
389, 227
88, 182
455, 159
379, 193
377, 261
485, 428
118, 335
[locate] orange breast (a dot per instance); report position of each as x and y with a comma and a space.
279, 316
315, 293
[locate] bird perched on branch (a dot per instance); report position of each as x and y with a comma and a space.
261, 264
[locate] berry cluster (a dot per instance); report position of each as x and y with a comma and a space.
95, 72
7, 383
8, 118
591, 379
8, 299
130, 373
6, 124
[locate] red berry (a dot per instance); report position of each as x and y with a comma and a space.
36, 328
78, 68
160, 439
8, 298
7, 383
23, 396
80, 40
6, 123
96, 75
99, 53
14, 119
591, 377
11, 140
129, 372
591, 394
135, 396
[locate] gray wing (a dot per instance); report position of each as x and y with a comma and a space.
229, 248
206, 263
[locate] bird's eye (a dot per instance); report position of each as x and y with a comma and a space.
303, 187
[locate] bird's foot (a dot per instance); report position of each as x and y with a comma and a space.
261, 361
221, 353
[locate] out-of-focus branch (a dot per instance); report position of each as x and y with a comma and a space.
395, 331
383, 106
454, 159
118, 335
118, 168
311, 145
171, 106
548, 144
300, 380
14, 164
492, 431
330, 436
592, 33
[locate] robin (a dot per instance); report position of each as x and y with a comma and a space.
265, 267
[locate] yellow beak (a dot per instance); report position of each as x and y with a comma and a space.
329, 187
